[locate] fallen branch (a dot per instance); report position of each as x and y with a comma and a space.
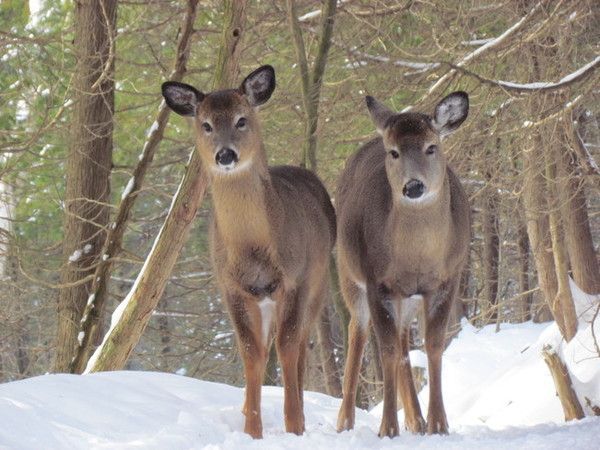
564, 386
112, 246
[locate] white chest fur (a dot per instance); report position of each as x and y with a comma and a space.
267, 308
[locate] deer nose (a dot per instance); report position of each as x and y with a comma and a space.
413, 189
226, 157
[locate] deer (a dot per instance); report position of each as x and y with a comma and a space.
403, 238
271, 236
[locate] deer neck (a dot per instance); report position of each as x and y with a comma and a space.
430, 222
240, 209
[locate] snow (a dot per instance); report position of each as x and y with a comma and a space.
128, 188
497, 390
549, 85
152, 129
75, 255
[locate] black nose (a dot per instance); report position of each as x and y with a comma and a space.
226, 156
413, 189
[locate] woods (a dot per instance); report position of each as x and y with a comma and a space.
102, 203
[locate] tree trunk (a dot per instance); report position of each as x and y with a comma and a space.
150, 283
538, 227
327, 347
90, 324
164, 331
580, 245
88, 167
311, 82
568, 324
523, 247
491, 248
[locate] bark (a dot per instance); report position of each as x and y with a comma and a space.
491, 248
91, 324
164, 330
564, 386
568, 324
88, 167
580, 245
312, 81
227, 69
149, 286
538, 227
523, 248
327, 347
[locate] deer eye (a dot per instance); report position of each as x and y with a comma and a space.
241, 123
431, 150
206, 127
394, 154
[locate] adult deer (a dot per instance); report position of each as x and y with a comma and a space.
272, 232
404, 231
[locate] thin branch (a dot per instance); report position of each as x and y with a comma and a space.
580, 74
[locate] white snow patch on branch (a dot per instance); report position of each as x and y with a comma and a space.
128, 188
152, 129
493, 43
545, 84
116, 316
75, 255
477, 42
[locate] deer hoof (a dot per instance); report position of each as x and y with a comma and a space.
388, 429
253, 427
416, 426
437, 425
345, 421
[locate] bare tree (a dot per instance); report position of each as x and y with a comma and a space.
88, 167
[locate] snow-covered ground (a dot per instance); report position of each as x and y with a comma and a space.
498, 393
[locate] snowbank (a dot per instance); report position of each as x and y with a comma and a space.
498, 394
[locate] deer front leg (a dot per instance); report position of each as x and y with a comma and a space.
288, 344
413, 419
357, 338
438, 308
254, 356
386, 332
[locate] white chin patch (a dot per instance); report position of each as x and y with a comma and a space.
424, 199
228, 167
231, 168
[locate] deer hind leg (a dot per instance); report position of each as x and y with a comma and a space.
438, 308
288, 342
357, 337
413, 419
301, 374
247, 324
386, 331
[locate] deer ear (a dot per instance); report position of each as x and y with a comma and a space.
451, 112
259, 85
379, 113
182, 98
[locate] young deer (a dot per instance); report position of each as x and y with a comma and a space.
404, 231
272, 232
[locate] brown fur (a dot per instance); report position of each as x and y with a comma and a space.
389, 250
272, 233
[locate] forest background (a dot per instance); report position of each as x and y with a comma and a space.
90, 159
